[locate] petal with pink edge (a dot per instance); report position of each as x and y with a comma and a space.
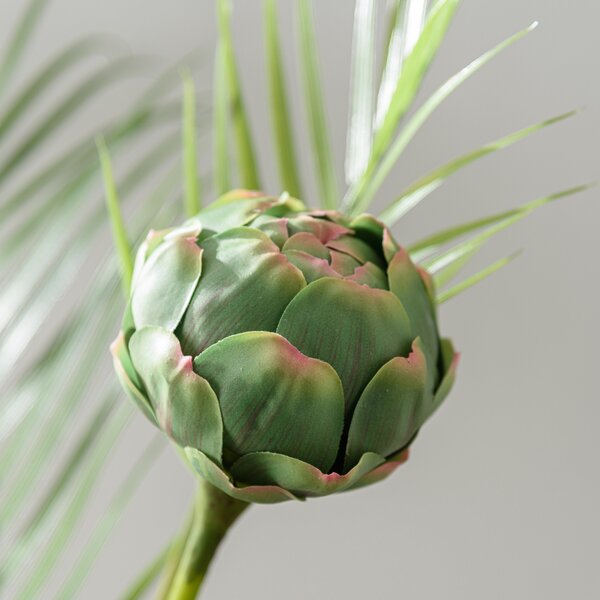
185, 405
391, 408
166, 283
245, 286
274, 398
382, 471
260, 494
129, 378
354, 328
300, 478
450, 360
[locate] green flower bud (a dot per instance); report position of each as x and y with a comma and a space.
290, 353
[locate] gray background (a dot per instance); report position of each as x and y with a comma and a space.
500, 498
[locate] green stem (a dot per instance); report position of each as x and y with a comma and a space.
214, 513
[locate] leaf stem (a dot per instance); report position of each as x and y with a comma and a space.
214, 513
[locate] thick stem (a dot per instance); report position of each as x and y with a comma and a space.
214, 513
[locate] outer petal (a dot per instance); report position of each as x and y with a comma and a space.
261, 494
382, 471
128, 377
407, 285
245, 286
275, 399
354, 328
391, 408
166, 284
300, 478
185, 405
450, 360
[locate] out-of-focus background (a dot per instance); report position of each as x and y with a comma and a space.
500, 497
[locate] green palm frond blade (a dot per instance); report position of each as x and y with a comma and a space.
18, 43
49, 74
67, 107
222, 176
360, 118
63, 528
143, 582
413, 70
280, 111
192, 196
109, 520
463, 286
405, 23
241, 128
421, 188
324, 163
124, 251
503, 219
361, 195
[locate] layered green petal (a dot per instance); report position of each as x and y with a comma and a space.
246, 284
357, 249
323, 229
261, 494
383, 471
354, 328
408, 286
129, 378
185, 405
391, 408
300, 478
306, 242
371, 275
312, 268
275, 399
166, 283
450, 360
241, 207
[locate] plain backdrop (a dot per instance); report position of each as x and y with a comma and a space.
500, 497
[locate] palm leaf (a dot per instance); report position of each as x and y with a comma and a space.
241, 128
313, 93
280, 112
360, 119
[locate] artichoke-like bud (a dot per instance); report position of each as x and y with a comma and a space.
290, 353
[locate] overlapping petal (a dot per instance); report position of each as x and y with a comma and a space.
166, 283
354, 328
274, 398
185, 405
391, 408
246, 284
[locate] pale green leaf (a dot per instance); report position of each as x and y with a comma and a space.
280, 113
361, 195
190, 154
427, 184
241, 127
313, 93
19, 40
476, 278
124, 251
360, 117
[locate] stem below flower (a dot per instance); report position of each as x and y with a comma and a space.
214, 513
